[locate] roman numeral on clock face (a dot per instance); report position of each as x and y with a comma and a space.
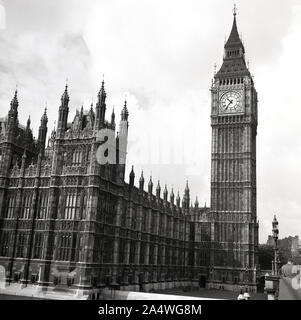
230, 102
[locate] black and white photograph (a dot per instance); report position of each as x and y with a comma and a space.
150, 150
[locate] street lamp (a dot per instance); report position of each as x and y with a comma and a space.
272, 281
276, 255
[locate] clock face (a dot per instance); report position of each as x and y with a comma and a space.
231, 102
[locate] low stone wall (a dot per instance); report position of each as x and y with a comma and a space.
230, 287
129, 295
129, 292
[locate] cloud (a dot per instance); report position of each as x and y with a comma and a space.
160, 54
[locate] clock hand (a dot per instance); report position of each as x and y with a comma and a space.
231, 101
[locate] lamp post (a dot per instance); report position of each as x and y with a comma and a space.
272, 281
276, 255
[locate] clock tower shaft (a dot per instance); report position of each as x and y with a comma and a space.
234, 236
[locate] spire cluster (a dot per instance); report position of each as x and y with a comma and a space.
15, 103
65, 96
125, 112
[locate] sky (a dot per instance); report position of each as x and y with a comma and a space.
160, 56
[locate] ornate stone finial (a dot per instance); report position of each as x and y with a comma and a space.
15, 103
178, 200
28, 123
141, 177
172, 196
113, 117
132, 177
165, 193
44, 118
187, 187
65, 96
234, 10
102, 92
141, 181
150, 185
125, 112
196, 204
158, 189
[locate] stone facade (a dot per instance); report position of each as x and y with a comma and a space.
68, 220
234, 225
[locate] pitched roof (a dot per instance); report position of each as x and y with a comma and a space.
234, 39
234, 63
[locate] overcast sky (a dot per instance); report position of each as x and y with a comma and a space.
161, 56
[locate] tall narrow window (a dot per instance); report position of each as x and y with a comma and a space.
108, 250
134, 224
122, 243
143, 222
77, 158
43, 205
71, 206
4, 244
151, 255
123, 217
88, 156
65, 247
11, 205
132, 251
142, 253
21, 245
153, 224
27, 199
38, 245
84, 206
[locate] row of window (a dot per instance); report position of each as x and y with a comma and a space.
27, 206
231, 81
66, 247
76, 158
72, 204
21, 244
158, 224
102, 252
233, 53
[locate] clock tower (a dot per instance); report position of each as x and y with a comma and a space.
234, 227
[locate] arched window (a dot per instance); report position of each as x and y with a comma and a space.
84, 206
77, 158
21, 245
71, 206
27, 200
65, 247
42, 205
11, 205
5, 244
38, 245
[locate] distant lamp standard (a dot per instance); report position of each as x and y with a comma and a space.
272, 281
275, 263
